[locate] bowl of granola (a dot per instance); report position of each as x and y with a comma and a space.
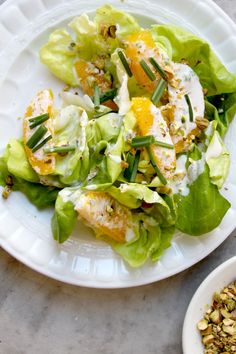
210, 321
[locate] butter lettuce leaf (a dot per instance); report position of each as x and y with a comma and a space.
218, 160
17, 162
109, 16
63, 220
221, 108
203, 209
70, 128
39, 195
150, 244
132, 195
106, 144
59, 56
182, 44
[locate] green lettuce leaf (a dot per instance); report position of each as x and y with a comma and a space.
167, 234
182, 44
221, 108
70, 127
132, 195
63, 220
59, 56
125, 23
17, 162
203, 209
218, 160
39, 195
150, 243
106, 144
3, 172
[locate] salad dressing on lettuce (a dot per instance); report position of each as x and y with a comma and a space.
137, 150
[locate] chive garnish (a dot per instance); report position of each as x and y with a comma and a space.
37, 147
34, 122
147, 70
60, 149
156, 96
125, 62
109, 95
135, 166
190, 108
145, 141
158, 68
96, 97
156, 168
142, 141
36, 137
162, 144
99, 115
128, 170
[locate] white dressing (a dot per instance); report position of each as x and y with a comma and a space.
187, 83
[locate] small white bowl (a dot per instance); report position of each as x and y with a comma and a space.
216, 281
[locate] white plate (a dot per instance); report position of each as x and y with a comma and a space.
24, 231
216, 281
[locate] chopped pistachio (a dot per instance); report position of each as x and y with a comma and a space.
219, 323
215, 317
202, 325
228, 322
208, 330
229, 329
202, 123
231, 304
208, 339
225, 313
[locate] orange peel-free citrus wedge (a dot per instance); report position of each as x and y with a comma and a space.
151, 122
141, 46
104, 214
88, 75
42, 103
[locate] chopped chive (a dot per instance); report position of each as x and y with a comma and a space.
156, 168
59, 149
147, 70
34, 119
36, 137
165, 145
37, 147
128, 170
38, 120
96, 97
190, 108
104, 113
159, 90
125, 62
109, 95
142, 141
145, 141
158, 68
135, 166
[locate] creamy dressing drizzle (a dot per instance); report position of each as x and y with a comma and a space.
183, 178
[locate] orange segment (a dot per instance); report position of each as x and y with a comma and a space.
141, 106
141, 46
104, 214
42, 103
89, 74
150, 122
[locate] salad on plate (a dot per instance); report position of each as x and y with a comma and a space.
136, 150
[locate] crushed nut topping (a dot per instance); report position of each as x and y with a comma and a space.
218, 327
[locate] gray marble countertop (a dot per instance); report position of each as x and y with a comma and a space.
40, 315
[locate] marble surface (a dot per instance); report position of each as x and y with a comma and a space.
40, 315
